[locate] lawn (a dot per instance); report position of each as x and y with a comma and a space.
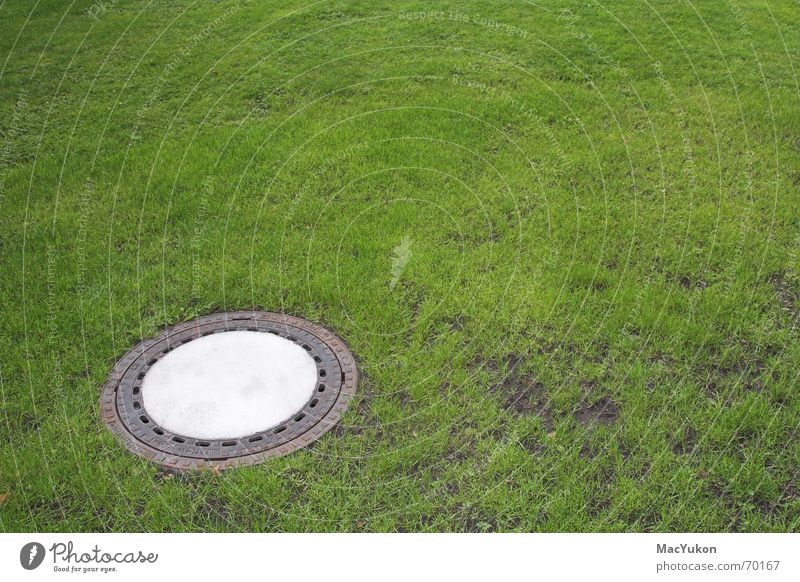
560, 237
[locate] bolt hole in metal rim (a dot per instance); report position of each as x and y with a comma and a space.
321, 404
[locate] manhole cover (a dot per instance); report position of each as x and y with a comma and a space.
229, 389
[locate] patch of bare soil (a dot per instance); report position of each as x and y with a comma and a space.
687, 443
522, 395
604, 411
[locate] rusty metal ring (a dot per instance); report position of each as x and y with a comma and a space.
123, 412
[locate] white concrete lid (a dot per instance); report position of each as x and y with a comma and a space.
229, 385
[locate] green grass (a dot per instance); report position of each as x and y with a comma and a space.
597, 328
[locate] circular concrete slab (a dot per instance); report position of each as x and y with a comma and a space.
229, 389
229, 385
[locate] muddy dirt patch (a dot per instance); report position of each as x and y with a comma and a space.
604, 411
521, 394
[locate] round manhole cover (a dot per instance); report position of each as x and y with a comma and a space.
229, 389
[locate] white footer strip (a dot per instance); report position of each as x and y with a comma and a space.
379, 557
